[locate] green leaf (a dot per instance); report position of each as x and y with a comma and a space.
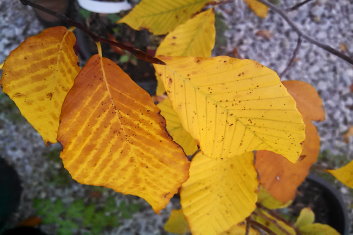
306, 217
88, 215
75, 209
317, 229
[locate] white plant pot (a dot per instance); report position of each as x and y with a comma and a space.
104, 7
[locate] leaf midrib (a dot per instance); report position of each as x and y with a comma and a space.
112, 99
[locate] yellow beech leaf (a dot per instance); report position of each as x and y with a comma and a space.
306, 217
232, 106
177, 223
344, 174
175, 129
257, 7
113, 136
37, 76
161, 17
219, 193
317, 229
196, 37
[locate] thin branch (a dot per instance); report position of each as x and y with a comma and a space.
306, 37
274, 222
291, 61
215, 3
296, 6
247, 228
272, 213
257, 225
194, 154
136, 52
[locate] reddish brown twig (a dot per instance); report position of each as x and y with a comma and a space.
291, 61
296, 6
306, 37
136, 52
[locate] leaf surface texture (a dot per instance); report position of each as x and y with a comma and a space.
114, 136
219, 193
37, 76
232, 106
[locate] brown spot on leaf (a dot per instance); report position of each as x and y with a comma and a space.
50, 95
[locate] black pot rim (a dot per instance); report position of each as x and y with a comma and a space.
335, 198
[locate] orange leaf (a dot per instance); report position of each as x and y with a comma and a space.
37, 76
114, 136
279, 176
347, 134
308, 100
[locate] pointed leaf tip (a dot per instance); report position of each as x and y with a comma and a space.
344, 174
177, 223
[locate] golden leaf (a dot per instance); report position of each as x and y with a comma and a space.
232, 106
37, 76
175, 129
344, 174
113, 136
278, 176
306, 217
257, 7
315, 229
196, 37
161, 17
177, 223
219, 193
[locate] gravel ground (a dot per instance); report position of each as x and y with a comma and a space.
328, 21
